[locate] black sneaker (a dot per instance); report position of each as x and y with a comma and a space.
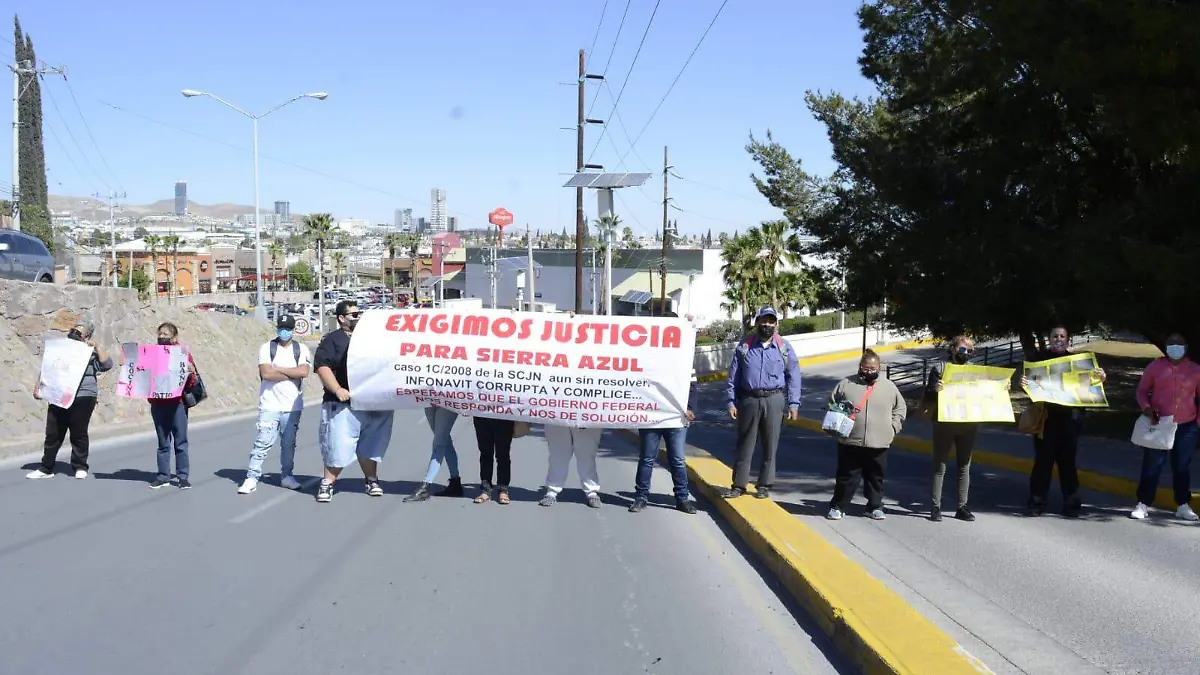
1035, 508
964, 514
184, 484
453, 489
935, 514
374, 489
324, 493
762, 493
420, 495
735, 492
639, 505
685, 506
158, 483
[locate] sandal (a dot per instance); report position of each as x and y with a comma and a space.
483, 498
502, 496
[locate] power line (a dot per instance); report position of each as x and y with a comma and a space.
716, 188
71, 135
679, 74
88, 128
611, 52
599, 25
82, 173
629, 72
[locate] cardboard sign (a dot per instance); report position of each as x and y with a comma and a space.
152, 371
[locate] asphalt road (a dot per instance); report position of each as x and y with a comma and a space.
106, 576
1103, 594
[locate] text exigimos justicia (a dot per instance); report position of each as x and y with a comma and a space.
590, 332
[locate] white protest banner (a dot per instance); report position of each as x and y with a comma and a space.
152, 371
602, 371
63, 363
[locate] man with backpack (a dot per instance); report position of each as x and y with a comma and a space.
282, 366
763, 388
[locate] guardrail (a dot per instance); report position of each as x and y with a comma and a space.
913, 374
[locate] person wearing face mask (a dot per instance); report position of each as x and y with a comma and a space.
763, 387
78, 416
1058, 444
170, 417
948, 436
283, 363
879, 412
345, 432
1170, 386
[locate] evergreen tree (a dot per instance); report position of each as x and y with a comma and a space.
708, 239
32, 188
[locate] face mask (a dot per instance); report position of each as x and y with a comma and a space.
1176, 352
284, 335
960, 357
765, 331
164, 341
1058, 344
351, 322
74, 334
869, 377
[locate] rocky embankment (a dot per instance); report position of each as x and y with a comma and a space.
224, 346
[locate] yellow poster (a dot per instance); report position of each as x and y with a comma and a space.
975, 394
1068, 380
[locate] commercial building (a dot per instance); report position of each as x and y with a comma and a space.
402, 220
437, 210
181, 198
451, 224
283, 212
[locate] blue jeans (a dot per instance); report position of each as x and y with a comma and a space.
171, 425
1181, 461
441, 421
675, 439
272, 426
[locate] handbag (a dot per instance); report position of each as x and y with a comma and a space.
520, 429
196, 393
1033, 419
1159, 436
839, 419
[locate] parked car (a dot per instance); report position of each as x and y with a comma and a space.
24, 258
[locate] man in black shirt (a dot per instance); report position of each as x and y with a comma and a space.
346, 433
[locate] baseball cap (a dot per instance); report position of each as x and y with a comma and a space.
286, 322
766, 311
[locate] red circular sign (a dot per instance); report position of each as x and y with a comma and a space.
501, 217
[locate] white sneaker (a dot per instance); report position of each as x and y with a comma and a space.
1185, 512
1140, 512
248, 486
81, 474
37, 474
290, 483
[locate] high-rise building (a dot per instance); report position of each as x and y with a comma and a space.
283, 212
451, 224
437, 209
181, 197
422, 225
402, 220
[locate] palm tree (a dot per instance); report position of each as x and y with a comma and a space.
606, 230
153, 243
781, 244
338, 258
741, 269
392, 242
171, 245
275, 250
318, 228
412, 242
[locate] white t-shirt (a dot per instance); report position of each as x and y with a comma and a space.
281, 396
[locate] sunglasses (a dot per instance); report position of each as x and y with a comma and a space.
352, 315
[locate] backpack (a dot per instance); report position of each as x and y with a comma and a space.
785, 347
295, 357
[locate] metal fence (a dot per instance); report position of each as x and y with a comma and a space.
914, 374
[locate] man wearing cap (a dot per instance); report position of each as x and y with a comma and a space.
763, 388
282, 366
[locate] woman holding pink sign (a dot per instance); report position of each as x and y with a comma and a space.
171, 421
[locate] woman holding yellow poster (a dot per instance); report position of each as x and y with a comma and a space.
1058, 442
958, 437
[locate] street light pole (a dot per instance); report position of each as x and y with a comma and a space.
259, 310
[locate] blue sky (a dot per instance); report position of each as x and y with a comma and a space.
463, 95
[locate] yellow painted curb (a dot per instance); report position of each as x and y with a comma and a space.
873, 627
1113, 485
718, 375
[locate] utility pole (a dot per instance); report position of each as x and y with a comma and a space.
532, 273
112, 238
666, 243
580, 229
32, 70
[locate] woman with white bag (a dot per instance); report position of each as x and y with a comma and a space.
1167, 396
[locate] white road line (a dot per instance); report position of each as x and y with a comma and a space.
273, 502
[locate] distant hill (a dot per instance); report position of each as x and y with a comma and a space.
82, 207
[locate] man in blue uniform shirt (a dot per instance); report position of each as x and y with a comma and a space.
763, 388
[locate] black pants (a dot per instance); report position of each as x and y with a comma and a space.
75, 420
854, 464
495, 442
1058, 445
759, 419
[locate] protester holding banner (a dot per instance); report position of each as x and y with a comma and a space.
1170, 386
441, 423
495, 437
170, 417
564, 442
878, 412
346, 432
763, 388
947, 436
76, 417
676, 440
1058, 443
